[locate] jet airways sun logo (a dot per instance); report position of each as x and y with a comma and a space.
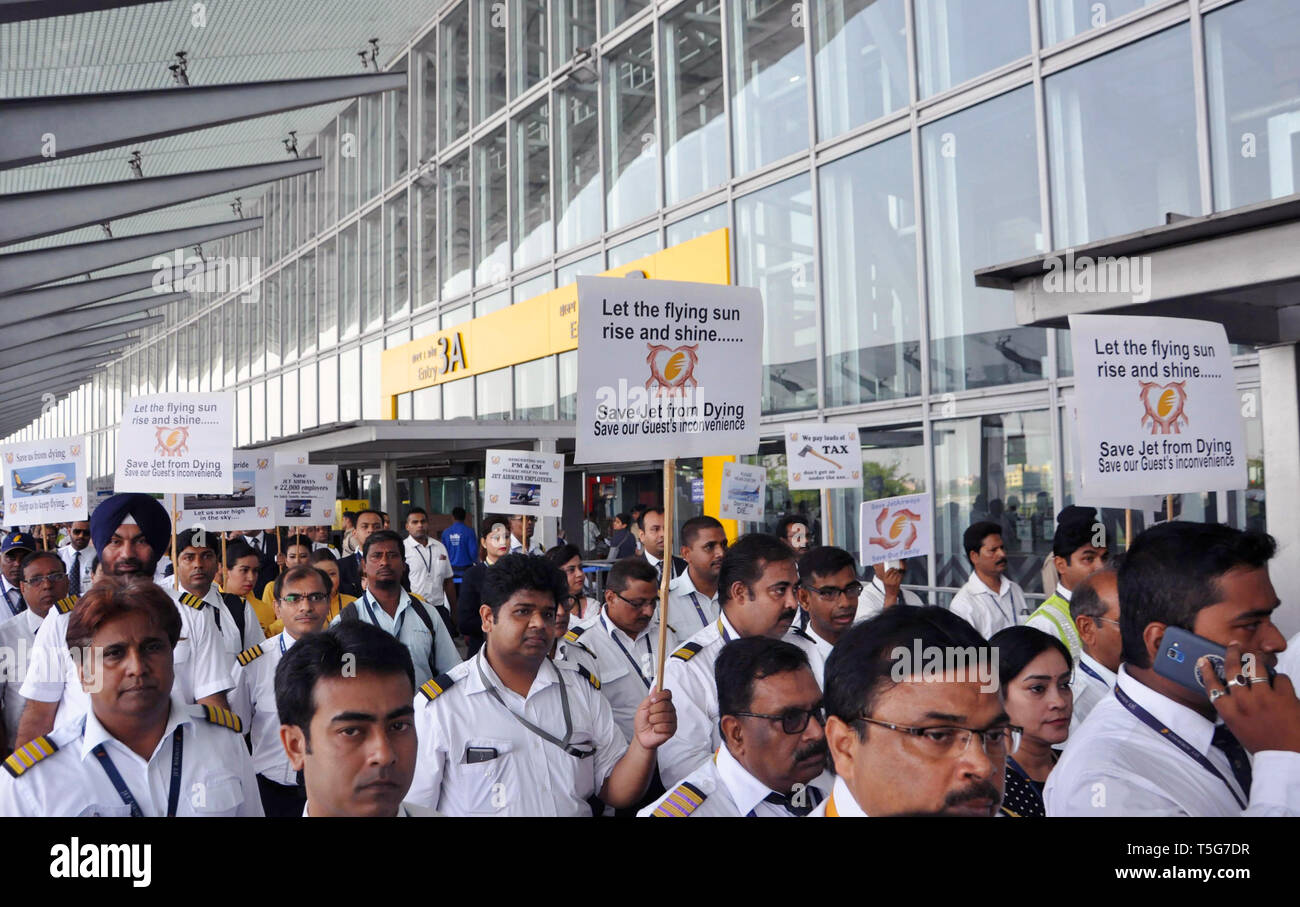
672, 369
172, 441
896, 528
1165, 413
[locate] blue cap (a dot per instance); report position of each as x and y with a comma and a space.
14, 540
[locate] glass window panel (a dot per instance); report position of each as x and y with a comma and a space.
769, 94
307, 293
424, 327
426, 243
328, 330
309, 397
697, 225
271, 228
489, 58
289, 306
568, 364
458, 399
371, 399
491, 212
542, 283
397, 155
695, 157
271, 300
457, 316
349, 282
230, 331
535, 391
243, 420
273, 423
493, 392
533, 231
634, 249
860, 49
372, 113
872, 309
454, 227
575, 26
453, 35
958, 40
774, 242
583, 267
1254, 91
996, 468
404, 406
372, 270
309, 195
579, 204
982, 208
289, 403
1121, 140
348, 154
426, 62
397, 278
494, 303
527, 44
426, 403
1063, 19
289, 215
616, 12
632, 158
350, 385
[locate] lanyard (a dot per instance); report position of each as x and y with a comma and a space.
997, 603
428, 562
726, 637
173, 793
281, 643
785, 803
698, 610
1154, 723
562, 743
627, 654
397, 625
1083, 666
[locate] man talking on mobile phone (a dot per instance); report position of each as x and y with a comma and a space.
1187, 743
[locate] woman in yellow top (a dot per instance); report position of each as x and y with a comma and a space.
239, 578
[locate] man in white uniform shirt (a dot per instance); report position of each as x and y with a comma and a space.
194, 584
302, 601
1094, 608
909, 738
693, 593
320, 540
1157, 747
885, 590
758, 583
829, 590
988, 601
77, 557
772, 762
44, 586
128, 530
510, 733
427, 562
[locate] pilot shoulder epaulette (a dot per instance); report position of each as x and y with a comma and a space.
800, 632
588, 676
572, 635
249, 654
434, 688
29, 754
189, 598
681, 801
688, 651
64, 605
223, 717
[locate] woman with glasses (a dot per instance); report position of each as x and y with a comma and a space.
1035, 671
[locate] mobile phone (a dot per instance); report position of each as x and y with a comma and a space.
477, 754
1177, 656
893, 565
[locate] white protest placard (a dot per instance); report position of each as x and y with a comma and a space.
521, 481
743, 495
893, 529
303, 495
667, 369
1158, 409
45, 481
249, 506
176, 444
823, 456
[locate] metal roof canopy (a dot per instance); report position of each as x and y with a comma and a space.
372, 442
1236, 267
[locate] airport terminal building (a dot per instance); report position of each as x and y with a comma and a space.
856, 161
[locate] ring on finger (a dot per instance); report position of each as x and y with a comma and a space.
1255, 680
1215, 694
1239, 681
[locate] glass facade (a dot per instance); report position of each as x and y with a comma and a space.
868, 157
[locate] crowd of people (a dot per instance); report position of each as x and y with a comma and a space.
382, 674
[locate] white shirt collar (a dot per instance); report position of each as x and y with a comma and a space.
845, 805
287, 639
822, 645
732, 633
683, 585
1104, 672
1063, 592
410, 539
976, 585
613, 628
95, 733
474, 684
746, 791
1195, 729
34, 620
652, 560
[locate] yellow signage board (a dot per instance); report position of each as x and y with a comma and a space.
542, 326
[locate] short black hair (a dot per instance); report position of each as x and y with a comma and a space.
514, 572
745, 561
973, 538
1084, 600
458, 513
640, 517
561, 554
628, 570
624, 518
383, 535
825, 561
39, 555
300, 541
196, 538
1172, 570
378, 513
860, 665
321, 555
359, 645
791, 519
237, 549
1075, 527
413, 511
490, 520
1018, 646
744, 661
692, 527
302, 571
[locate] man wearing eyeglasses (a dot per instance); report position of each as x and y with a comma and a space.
772, 761
757, 586
1094, 609
302, 602
829, 590
43, 584
915, 722
77, 557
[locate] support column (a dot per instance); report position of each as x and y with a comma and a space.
1280, 415
388, 499
548, 528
